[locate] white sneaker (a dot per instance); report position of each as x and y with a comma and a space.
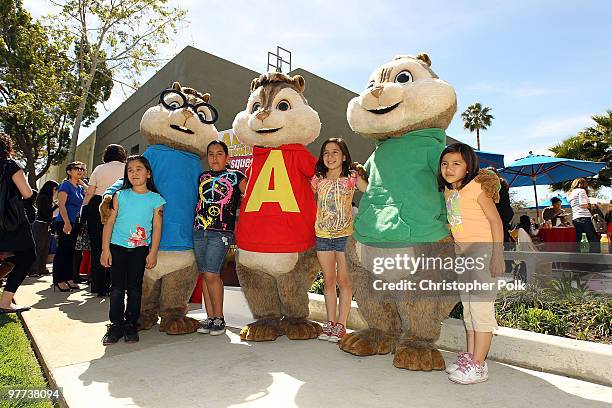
470, 373
327, 331
461, 358
205, 326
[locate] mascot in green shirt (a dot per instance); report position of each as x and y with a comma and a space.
402, 215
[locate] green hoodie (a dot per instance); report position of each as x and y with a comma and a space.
402, 205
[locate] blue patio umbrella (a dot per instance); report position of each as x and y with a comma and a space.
538, 169
548, 203
488, 159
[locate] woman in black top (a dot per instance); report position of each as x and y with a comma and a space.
20, 242
40, 228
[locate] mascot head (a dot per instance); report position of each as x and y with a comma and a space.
402, 95
183, 119
277, 113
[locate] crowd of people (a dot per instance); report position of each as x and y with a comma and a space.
128, 242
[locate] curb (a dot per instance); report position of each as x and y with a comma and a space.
578, 359
61, 402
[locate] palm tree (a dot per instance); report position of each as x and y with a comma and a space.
475, 118
604, 124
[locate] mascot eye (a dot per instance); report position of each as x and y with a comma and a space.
283, 105
370, 85
174, 104
204, 114
255, 107
403, 77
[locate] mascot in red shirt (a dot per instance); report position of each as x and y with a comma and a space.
275, 233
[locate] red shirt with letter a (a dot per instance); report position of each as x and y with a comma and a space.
278, 211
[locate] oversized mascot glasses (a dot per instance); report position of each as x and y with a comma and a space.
173, 99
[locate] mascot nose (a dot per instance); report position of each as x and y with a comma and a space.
376, 91
261, 115
187, 113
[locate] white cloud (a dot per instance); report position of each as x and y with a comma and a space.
558, 127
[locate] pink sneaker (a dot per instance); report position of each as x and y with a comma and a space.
337, 333
470, 373
461, 359
327, 331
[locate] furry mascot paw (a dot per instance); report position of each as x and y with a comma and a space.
105, 208
361, 171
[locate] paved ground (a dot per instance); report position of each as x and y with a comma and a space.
204, 371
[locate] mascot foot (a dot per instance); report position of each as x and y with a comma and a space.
418, 359
300, 329
367, 342
147, 320
261, 330
179, 325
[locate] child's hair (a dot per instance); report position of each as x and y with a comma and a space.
126, 181
320, 168
470, 158
525, 223
223, 146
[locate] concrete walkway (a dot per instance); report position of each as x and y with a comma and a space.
204, 371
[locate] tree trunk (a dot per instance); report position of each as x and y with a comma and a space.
79, 117
478, 138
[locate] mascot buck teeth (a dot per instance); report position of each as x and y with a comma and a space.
178, 130
406, 108
275, 233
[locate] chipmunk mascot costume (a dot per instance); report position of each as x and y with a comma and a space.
178, 131
406, 109
275, 233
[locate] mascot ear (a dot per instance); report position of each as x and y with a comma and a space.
425, 58
299, 83
206, 97
254, 84
176, 86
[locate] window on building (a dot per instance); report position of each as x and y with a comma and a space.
135, 149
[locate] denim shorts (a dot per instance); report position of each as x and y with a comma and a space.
210, 248
331, 244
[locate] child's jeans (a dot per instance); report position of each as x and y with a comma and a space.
127, 272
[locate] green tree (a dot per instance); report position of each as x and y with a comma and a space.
593, 143
122, 34
38, 99
476, 118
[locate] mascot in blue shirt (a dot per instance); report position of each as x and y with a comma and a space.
178, 130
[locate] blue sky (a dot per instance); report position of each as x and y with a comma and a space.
543, 66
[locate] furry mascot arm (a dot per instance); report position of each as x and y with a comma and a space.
107, 197
490, 184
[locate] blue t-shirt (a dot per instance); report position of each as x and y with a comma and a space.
176, 175
134, 221
74, 200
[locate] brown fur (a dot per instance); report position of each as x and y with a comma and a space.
279, 305
205, 97
393, 323
490, 184
423, 59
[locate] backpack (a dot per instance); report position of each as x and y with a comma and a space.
12, 213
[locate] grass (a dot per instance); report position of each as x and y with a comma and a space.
19, 368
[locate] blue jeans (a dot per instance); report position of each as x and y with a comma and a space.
331, 244
211, 247
585, 225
